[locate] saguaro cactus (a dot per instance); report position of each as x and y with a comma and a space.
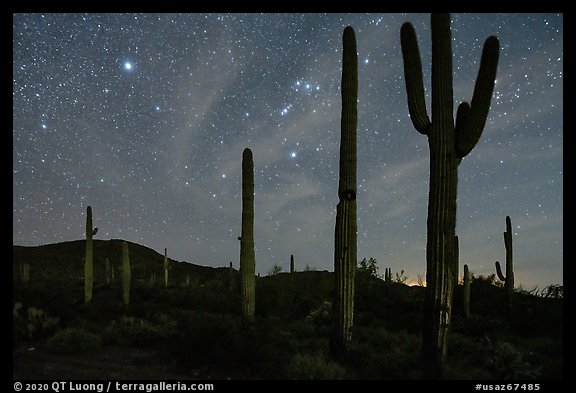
108, 271
25, 273
466, 296
448, 143
125, 274
166, 267
292, 263
88, 260
346, 226
388, 274
509, 278
247, 256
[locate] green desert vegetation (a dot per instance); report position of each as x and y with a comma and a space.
197, 330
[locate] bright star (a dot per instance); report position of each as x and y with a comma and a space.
293, 154
127, 66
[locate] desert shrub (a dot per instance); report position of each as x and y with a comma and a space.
507, 362
265, 348
73, 340
133, 331
32, 323
479, 326
377, 353
314, 366
465, 360
205, 340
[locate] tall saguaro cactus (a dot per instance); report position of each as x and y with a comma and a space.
88, 260
292, 263
448, 143
509, 278
346, 226
247, 256
125, 274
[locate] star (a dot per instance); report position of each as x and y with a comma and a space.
159, 106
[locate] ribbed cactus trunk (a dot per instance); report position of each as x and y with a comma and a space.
126, 280
108, 271
509, 278
448, 143
346, 225
25, 273
88, 260
466, 296
292, 264
247, 256
388, 274
166, 267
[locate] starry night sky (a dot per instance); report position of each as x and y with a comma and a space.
145, 117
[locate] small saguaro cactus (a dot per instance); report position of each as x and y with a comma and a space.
466, 295
166, 267
292, 264
108, 271
88, 260
509, 278
247, 256
345, 248
231, 277
449, 143
126, 281
25, 273
388, 274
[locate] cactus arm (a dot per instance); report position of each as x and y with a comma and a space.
499, 272
467, 281
468, 132
414, 79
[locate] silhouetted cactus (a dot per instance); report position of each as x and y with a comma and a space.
388, 274
247, 256
108, 271
25, 273
292, 264
509, 278
448, 143
126, 280
466, 295
345, 249
230, 277
166, 267
88, 260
